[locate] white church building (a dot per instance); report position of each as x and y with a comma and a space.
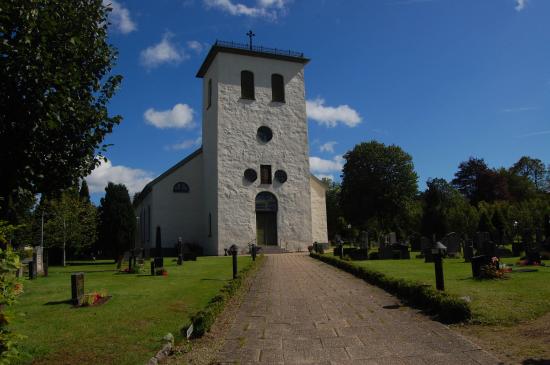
250, 181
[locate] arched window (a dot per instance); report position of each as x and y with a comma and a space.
180, 187
266, 202
278, 88
247, 85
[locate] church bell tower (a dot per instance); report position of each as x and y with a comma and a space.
255, 148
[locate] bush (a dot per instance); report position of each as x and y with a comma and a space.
448, 308
204, 319
10, 288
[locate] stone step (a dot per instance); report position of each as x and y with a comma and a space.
271, 249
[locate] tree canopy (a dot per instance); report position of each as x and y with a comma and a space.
379, 185
55, 85
117, 225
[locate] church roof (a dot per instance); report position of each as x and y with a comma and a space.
246, 50
147, 189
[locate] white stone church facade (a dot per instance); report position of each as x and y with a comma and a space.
250, 180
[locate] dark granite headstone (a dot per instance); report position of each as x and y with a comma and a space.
159, 262
77, 287
452, 242
468, 252
152, 267
477, 263
32, 270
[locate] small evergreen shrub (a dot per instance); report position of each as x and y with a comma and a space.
448, 308
204, 319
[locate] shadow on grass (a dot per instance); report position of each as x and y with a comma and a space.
536, 362
66, 301
89, 263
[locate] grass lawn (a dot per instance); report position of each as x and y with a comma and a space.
125, 330
523, 296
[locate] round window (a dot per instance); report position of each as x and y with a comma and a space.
250, 175
280, 176
264, 134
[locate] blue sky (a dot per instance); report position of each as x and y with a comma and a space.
443, 79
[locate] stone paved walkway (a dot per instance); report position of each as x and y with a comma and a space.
302, 311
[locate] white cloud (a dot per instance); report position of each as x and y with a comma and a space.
324, 176
120, 17
196, 46
134, 179
328, 147
318, 165
520, 4
263, 8
180, 116
163, 52
188, 143
519, 109
331, 116
540, 133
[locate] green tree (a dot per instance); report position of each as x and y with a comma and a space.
378, 186
531, 168
485, 224
334, 209
55, 86
117, 221
72, 224
446, 210
84, 193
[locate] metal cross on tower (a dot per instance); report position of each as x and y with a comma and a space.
250, 34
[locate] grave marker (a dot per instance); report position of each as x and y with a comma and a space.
77, 287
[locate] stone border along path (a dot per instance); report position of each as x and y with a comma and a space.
303, 311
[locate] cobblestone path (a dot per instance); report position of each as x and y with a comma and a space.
302, 311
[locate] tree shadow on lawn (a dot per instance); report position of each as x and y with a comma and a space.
536, 362
66, 301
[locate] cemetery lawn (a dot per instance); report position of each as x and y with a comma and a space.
521, 297
128, 328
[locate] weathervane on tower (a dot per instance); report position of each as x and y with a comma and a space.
250, 34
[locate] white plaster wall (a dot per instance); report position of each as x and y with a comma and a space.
144, 238
180, 214
239, 149
210, 158
318, 211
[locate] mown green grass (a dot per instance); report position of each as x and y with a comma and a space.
125, 330
523, 296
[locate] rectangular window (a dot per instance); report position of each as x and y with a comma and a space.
209, 93
209, 224
265, 174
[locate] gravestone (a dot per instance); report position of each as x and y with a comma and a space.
488, 248
452, 242
32, 270
480, 238
392, 238
477, 263
468, 251
77, 287
426, 245
38, 256
152, 267
364, 239
179, 250
159, 262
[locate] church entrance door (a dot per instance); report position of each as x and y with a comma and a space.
266, 219
266, 228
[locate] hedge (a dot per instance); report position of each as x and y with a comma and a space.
446, 307
205, 318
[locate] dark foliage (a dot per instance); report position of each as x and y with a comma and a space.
117, 222
55, 85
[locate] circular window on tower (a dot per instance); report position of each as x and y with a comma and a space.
264, 134
250, 175
280, 176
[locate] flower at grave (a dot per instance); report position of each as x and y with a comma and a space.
18, 289
494, 260
164, 273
